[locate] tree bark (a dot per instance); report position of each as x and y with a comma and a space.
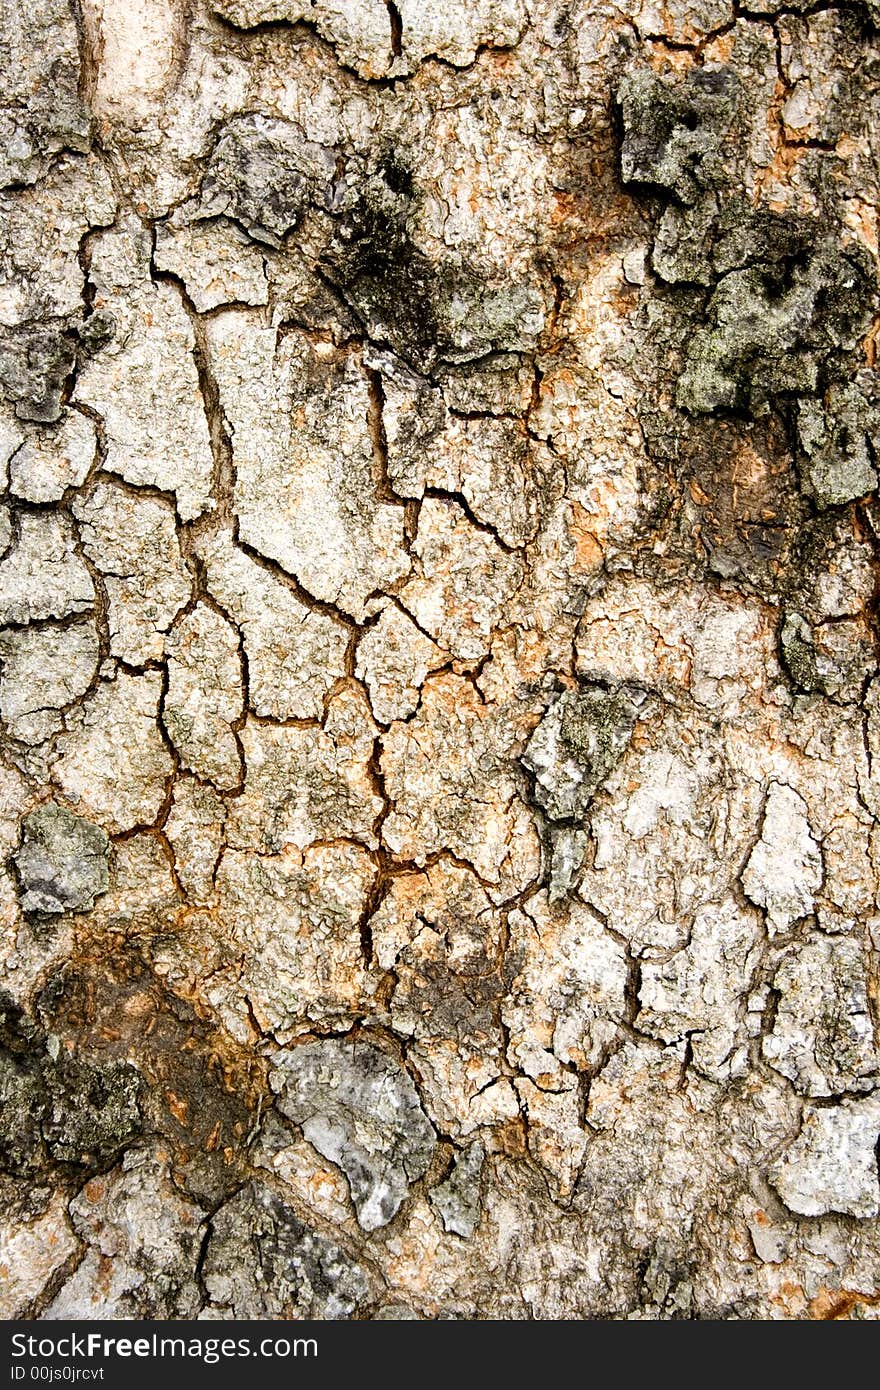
439, 659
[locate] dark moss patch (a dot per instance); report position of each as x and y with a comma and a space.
427, 312
55, 1109
381, 273
202, 1090
38, 362
397, 174
826, 636
35, 363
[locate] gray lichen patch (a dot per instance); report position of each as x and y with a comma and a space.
62, 864
264, 173
457, 1199
799, 653
826, 638
21, 1091
784, 869
567, 847
832, 1165
262, 1261
361, 1110
35, 362
155, 1235
576, 746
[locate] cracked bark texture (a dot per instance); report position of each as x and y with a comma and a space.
439, 659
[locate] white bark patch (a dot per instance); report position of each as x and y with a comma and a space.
832, 1165
784, 870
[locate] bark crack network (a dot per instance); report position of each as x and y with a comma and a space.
439, 661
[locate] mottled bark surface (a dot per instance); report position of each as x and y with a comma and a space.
438, 659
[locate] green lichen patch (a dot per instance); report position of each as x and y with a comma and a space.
779, 329
838, 435
834, 659
799, 654
92, 1112
596, 727
675, 131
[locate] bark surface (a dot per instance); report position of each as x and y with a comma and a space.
439, 659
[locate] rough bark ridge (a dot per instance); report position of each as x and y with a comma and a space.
439, 659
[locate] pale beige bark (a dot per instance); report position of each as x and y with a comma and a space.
438, 659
